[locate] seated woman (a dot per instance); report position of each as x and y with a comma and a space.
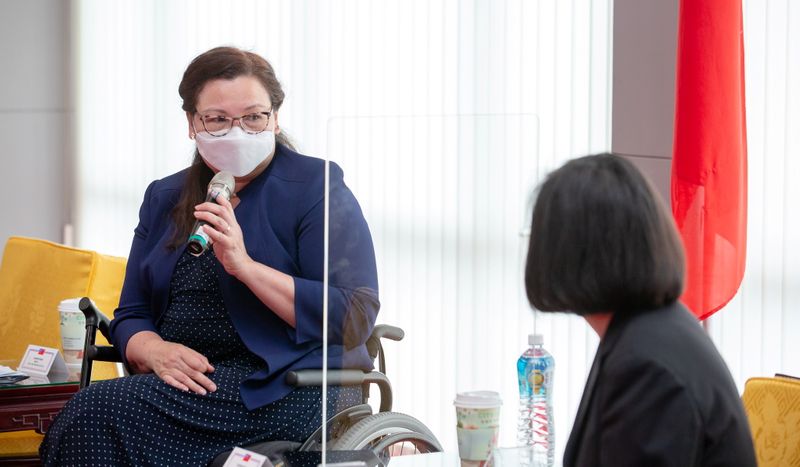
211, 337
604, 246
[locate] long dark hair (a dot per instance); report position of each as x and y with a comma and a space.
602, 240
218, 63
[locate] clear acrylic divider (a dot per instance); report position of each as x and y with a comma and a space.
447, 199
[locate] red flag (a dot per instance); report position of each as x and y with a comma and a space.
709, 165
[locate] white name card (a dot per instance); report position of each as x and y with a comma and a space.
243, 458
42, 361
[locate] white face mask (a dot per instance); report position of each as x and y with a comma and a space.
237, 152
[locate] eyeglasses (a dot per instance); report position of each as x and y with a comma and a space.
220, 125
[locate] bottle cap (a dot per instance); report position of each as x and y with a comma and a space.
535, 339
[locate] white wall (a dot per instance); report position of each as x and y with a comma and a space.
645, 33
35, 114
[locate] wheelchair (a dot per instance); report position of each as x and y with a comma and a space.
356, 428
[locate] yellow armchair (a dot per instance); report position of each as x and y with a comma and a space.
35, 275
773, 409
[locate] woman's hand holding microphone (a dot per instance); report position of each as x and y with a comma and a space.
223, 229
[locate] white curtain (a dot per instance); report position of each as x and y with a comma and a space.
476, 100
757, 332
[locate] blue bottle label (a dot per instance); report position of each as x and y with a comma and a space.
539, 376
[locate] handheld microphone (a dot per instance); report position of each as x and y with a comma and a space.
221, 185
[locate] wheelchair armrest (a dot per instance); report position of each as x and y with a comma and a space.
304, 378
105, 353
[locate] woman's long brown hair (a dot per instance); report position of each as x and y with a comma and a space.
218, 63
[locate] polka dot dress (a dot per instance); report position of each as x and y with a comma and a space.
139, 420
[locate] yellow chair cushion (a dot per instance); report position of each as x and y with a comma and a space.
35, 275
20, 443
773, 409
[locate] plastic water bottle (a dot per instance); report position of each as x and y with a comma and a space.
535, 426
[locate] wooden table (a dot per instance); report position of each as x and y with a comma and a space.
32, 405
29, 407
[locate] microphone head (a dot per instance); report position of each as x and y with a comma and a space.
223, 182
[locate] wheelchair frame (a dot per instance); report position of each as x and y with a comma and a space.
357, 427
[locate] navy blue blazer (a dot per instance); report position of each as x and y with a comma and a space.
659, 394
281, 213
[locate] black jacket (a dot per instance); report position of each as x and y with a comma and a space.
659, 394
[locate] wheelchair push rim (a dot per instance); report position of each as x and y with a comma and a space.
389, 434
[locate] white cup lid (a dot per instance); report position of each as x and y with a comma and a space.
70, 304
478, 399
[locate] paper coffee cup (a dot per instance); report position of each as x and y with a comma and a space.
73, 331
477, 423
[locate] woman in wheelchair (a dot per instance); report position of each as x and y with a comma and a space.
210, 338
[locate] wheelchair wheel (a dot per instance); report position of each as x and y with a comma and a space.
389, 434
